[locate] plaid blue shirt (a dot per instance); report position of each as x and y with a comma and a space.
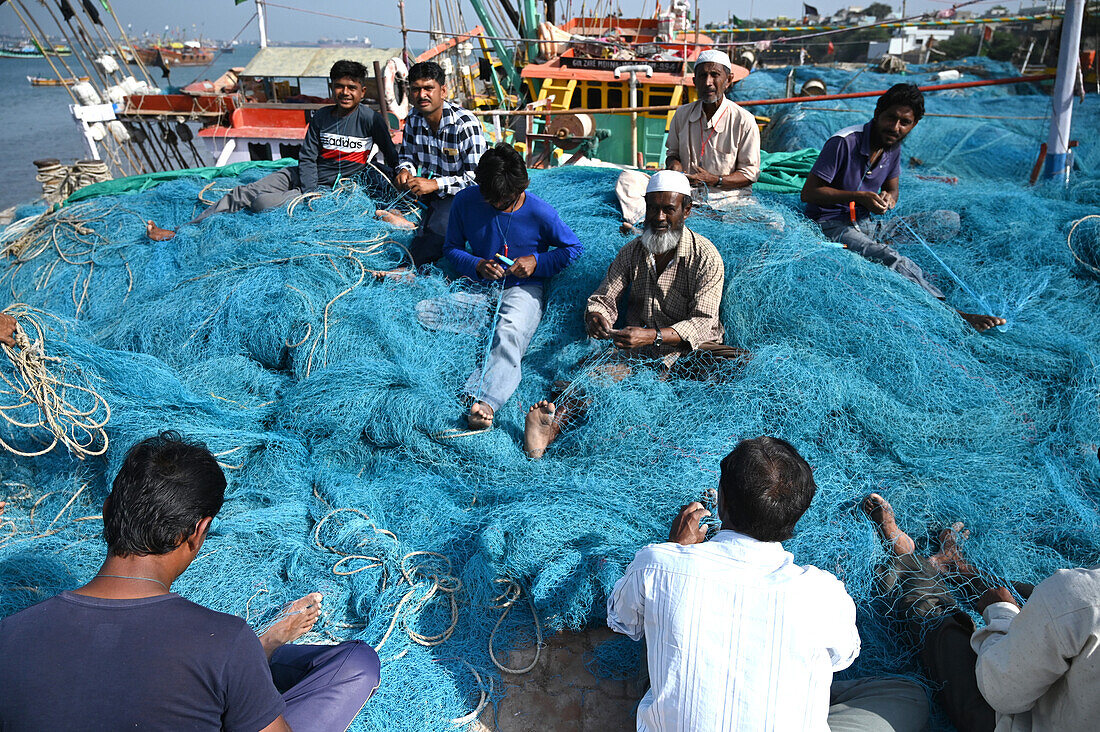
450, 155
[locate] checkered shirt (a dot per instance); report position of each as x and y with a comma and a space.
449, 155
686, 296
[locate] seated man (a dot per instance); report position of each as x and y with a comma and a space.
857, 175
441, 147
125, 652
339, 142
738, 636
712, 140
1034, 669
517, 239
675, 279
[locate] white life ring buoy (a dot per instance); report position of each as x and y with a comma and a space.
395, 87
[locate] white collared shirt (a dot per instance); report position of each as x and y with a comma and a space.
738, 636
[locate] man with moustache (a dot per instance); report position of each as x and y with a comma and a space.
857, 175
674, 277
714, 142
440, 150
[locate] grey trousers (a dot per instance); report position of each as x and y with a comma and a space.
520, 313
877, 705
267, 192
873, 239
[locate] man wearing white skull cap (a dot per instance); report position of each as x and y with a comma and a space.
673, 279
714, 142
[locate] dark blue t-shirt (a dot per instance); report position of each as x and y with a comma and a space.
534, 228
157, 663
844, 163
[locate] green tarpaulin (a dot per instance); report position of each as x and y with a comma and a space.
785, 172
139, 183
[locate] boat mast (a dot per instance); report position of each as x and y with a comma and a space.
1059, 161
261, 17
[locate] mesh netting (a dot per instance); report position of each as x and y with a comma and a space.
338, 417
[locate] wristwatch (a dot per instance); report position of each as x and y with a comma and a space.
719, 184
657, 339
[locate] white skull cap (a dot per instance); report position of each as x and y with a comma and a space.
714, 56
669, 180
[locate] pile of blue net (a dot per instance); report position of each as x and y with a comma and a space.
337, 414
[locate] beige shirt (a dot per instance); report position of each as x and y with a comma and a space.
686, 296
1039, 667
729, 142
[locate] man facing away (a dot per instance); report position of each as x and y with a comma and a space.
441, 147
711, 140
125, 652
339, 141
738, 636
857, 174
1030, 669
672, 278
515, 239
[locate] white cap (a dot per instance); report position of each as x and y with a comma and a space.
714, 56
669, 180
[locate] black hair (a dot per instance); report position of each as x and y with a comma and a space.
765, 488
166, 485
427, 70
904, 95
501, 174
345, 69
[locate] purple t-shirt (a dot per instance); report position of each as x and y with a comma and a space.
155, 663
844, 164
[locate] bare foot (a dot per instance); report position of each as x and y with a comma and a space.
401, 274
541, 429
295, 620
3, 505
881, 513
480, 416
982, 322
156, 233
394, 219
950, 558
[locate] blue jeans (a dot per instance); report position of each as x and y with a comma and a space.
324, 687
872, 239
520, 313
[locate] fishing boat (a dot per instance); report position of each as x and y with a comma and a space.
33, 50
46, 81
176, 53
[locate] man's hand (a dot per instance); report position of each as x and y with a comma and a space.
633, 337
889, 199
423, 186
674, 164
992, 595
873, 202
487, 269
596, 325
523, 267
401, 180
685, 527
702, 176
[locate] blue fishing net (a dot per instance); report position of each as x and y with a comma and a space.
337, 413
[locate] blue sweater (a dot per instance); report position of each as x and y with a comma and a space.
535, 228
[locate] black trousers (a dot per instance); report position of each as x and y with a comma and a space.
427, 243
940, 631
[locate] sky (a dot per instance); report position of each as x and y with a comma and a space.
221, 19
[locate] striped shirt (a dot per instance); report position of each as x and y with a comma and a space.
738, 636
685, 297
448, 155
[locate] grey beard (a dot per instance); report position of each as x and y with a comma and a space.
660, 243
